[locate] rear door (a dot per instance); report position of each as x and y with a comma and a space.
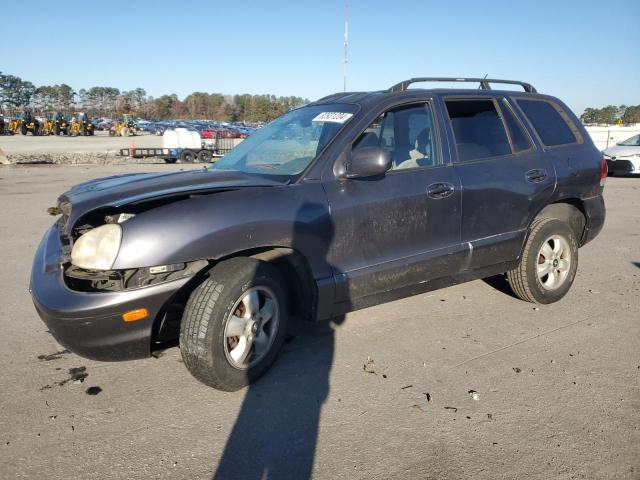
505, 178
401, 228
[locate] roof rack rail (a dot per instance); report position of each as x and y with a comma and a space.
484, 83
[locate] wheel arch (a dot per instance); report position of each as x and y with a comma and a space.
571, 211
292, 265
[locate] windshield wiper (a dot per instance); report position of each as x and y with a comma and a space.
271, 166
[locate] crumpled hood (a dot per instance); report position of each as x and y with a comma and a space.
622, 151
131, 188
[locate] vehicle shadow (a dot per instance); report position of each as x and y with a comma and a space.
276, 431
637, 264
500, 283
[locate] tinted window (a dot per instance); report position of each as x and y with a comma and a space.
519, 138
551, 127
478, 129
408, 133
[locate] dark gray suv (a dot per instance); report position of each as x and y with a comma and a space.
353, 200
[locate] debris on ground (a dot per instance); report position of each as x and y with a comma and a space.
370, 366
591, 290
535, 309
53, 417
516, 369
405, 387
157, 353
455, 410
53, 356
475, 395
429, 399
93, 390
78, 374
490, 416
418, 407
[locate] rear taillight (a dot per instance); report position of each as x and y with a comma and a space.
604, 170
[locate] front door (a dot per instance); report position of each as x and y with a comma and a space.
398, 229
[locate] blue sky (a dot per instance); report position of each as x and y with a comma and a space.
585, 52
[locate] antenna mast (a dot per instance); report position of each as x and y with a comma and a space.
345, 59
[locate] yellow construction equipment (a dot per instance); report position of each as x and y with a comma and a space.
80, 125
24, 122
60, 124
123, 127
48, 125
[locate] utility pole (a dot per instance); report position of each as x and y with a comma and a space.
345, 60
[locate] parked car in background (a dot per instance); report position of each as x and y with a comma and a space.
624, 157
353, 200
104, 125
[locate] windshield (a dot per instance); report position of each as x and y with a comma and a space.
631, 142
289, 144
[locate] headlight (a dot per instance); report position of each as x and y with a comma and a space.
98, 248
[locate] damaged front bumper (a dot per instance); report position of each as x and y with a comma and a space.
90, 323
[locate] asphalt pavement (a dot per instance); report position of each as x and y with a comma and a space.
383, 393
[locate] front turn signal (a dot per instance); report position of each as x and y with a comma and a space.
135, 315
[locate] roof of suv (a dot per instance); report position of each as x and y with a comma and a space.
401, 89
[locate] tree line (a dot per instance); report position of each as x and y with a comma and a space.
612, 114
16, 93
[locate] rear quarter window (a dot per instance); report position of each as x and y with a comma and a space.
552, 124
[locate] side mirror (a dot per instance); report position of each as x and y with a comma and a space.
367, 162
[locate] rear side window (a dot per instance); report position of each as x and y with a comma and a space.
552, 126
519, 138
478, 129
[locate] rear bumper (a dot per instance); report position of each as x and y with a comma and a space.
596, 213
90, 324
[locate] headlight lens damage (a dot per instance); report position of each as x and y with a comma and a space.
98, 248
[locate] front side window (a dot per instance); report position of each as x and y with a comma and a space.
286, 146
408, 133
553, 128
478, 129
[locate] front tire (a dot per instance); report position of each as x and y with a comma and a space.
548, 264
234, 323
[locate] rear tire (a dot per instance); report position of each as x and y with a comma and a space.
205, 156
218, 308
548, 264
112, 132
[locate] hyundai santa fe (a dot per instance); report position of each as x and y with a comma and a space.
352, 200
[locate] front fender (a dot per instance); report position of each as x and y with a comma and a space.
217, 225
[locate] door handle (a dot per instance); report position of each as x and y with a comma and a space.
439, 190
536, 175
